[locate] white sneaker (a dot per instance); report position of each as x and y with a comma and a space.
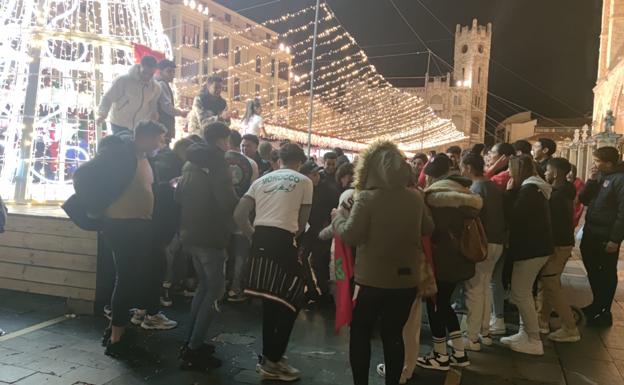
270, 370
138, 316
159, 321
381, 370
565, 335
434, 361
468, 344
497, 326
520, 336
544, 327
486, 340
528, 346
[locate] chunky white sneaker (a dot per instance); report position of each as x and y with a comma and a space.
474, 346
138, 316
459, 360
486, 340
528, 346
565, 335
159, 321
288, 369
434, 361
270, 370
520, 336
498, 327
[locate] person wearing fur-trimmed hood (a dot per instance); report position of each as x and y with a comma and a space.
451, 203
386, 224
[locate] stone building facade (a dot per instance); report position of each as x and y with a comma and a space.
208, 38
608, 93
462, 96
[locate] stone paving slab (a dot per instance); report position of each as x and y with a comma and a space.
69, 353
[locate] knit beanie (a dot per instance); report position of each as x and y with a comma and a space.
438, 166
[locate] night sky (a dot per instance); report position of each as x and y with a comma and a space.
552, 44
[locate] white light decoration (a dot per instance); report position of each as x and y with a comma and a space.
56, 59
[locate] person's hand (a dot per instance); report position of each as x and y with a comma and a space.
593, 173
612, 247
510, 184
500, 163
334, 214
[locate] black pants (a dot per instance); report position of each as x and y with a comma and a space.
321, 257
393, 307
130, 241
277, 324
442, 317
601, 271
154, 277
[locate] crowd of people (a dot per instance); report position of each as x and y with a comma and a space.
245, 218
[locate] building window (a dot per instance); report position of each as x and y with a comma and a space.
206, 40
190, 34
228, 18
479, 76
268, 37
237, 55
475, 126
236, 92
271, 94
205, 69
257, 90
220, 45
258, 64
272, 67
190, 68
173, 31
282, 98
283, 70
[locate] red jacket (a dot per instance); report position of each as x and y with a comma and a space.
499, 179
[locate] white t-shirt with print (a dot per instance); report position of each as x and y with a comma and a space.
279, 196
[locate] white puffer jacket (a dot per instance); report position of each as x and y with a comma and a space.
130, 99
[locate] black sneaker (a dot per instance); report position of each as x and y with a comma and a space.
459, 361
601, 320
434, 361
197, 360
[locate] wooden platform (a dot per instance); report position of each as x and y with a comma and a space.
43, 252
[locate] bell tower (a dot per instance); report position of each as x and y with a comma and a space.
472, 65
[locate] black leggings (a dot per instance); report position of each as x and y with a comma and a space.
277, 324
393, 306
130, 241
601, 271
442, 317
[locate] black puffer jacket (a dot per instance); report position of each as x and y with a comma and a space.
528, 214
604, 199
451, 203
207, 198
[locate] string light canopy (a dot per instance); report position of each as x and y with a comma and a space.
353, 101
57, 58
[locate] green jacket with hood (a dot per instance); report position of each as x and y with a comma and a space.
387, 221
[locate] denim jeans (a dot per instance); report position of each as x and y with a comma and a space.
239, 251
209, 266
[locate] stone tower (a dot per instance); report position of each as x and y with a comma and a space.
472, 64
